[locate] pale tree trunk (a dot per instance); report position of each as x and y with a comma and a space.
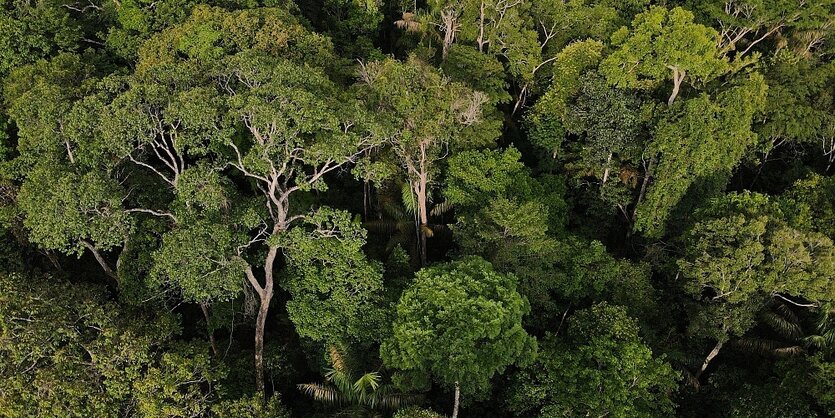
606, 171
260, 326
205, 308
265, 294
678, 77
450, 25
102, 262
480, 39
455, 403
710, 356
423, 217
420, 185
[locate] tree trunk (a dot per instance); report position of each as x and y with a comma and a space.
457, 397
450, 19
606, 171
480, 39
713, 353
266, 295
260, 326
647, 176
205, 308
678, 77
423, 215
100, 259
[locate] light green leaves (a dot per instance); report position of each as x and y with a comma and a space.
64, 210
661, 45
199, 259
697, 139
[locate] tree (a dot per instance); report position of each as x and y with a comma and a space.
32, 31
548, 117
599, 367
697, 139
461, 323
335, 291
663, 44
743, 251
68, 351
424, 115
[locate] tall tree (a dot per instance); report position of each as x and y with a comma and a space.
662, 45
425, 116
460, 323
600, 367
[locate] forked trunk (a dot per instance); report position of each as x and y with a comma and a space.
265, 295
678, 77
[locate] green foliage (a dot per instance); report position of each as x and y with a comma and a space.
67, 351
415, 412
548, 117
210, 157
422, 112
199, 260
33, 30
334, 288
699, 138
251, 407
460, 322
67, 211
742, 246
475, 177
175, 387
600, 367
662, 43
742, 252
366, 393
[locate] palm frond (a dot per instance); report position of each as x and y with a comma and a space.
387, 398
409, 198
785, 326
764, 347
364, 387
408, 22
322, 393
382, 226
441, 208
337, 360
786, 310
788, 351
342, 379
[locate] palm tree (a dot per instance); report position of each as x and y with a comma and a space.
794, 336
365, 395
398, 220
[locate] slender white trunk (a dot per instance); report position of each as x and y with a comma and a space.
457, 397
710, 356
678, 77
